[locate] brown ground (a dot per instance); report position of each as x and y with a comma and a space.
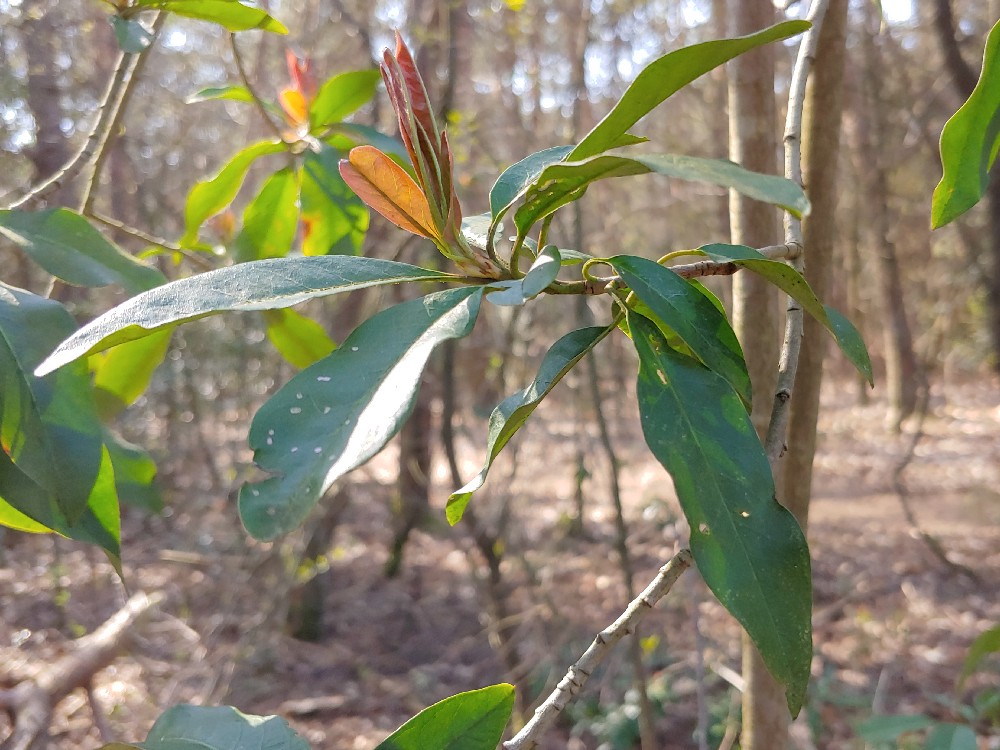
892, 622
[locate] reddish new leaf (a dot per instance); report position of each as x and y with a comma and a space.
388, 189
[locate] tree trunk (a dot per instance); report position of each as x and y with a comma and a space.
753, 144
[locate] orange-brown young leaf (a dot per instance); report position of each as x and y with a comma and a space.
295, 105
385, 187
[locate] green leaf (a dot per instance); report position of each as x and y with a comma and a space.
271, 219
969, 142
564, 182
48, 426
750, 550
232, 16
261, 285
511, 413
68, 247
468, 721
135, 474
518, 291
337, 414
208, 198
689, 314
220, 728
122, 374
792, 283
132, 36
233, 93
343, 95
334, 219
667, 75
300, 340
890, 728
346, 135
987, 643
518, 177
951, 737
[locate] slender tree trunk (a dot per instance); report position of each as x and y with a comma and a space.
753, 144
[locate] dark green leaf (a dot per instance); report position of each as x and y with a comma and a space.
337, 414
122, 374
68, 247
48, 426
518, 291
220, 728
969, 142
233, 93
271, 219
890, 728
232, 16
347, 135
517, 177
208, 198
511, 413
750, 550
689, 314
132, 36
468, 721
987, 643
334, 219
792, 283
135, 474
667, 75
262, 285
343, 95
564, 182
300, 340
951, 737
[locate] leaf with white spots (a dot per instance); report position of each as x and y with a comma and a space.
335, 415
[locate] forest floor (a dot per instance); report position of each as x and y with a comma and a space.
892, 622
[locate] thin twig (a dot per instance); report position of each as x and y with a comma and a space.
245, 80
152, 239
789, 361
577, 675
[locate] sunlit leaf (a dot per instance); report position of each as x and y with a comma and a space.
135, 474
122, 374
334, 219
511, 413
261, 285
750, 550
946, 736
300, 340
384, 186
667, 75
891, 727
969, 142
231, 15
517, 177
468, 721
342, 95
987, 643
689, 314
219, 728
334, 416
209, 197
294, 105
271, 219
68, 247
233, 93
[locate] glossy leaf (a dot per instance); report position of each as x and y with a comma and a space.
122, 374
48, 426
564, 182
969, 142
518, 177
208, 198
232, 93
135, 474
271, 220
985, 644
131, 35
68, 247
342, 95
889, 728
300, 340
951, 737
511, 413
231, 15
386, 187
667, 75
262, 285
749, 549
689, 314
543, 272
334, 219
792, 283
219, 728
468, 721
337, 414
